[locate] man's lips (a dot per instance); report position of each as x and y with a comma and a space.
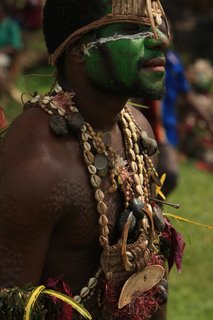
156, 64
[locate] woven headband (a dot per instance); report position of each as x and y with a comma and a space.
145, 12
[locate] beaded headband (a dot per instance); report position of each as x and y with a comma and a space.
145, 12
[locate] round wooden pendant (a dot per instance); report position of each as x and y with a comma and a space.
101, 162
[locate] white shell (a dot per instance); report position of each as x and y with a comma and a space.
95, 181
130, 143
139, 190
105, 231
87, 146
35, 99
92, 169
73, 109
134, 166
132, 154
84, 136
134, 136
53, 106
139, 158
77, 299
103, 240
137, 150
46, 100
127, 116
58, 88
88, 157
84, 128
84, 292
137, 179
132, 126
99, 195
61, 112
129, 255
103, 220
128, 133
124, 122
102, 207
141, 178
158, 19
149, 207
92, 283
140, 168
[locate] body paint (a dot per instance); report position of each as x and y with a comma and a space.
115, 62
116, 37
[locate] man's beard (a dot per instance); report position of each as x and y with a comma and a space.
150, 92
137, 90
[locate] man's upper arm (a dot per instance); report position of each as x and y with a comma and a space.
26, 219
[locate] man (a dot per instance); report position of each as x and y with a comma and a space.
76, 167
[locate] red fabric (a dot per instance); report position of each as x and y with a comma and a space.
65, 312
3, 122
142, 306
176, 244
153, 115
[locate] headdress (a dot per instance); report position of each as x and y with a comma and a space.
145, 12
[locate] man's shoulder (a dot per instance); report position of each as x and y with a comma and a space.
31, 140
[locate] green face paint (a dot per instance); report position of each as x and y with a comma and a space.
125, 58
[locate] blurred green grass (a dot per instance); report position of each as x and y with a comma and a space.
191, 292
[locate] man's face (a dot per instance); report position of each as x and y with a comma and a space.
126, 59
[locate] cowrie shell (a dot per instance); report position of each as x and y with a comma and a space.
103, 221
127, 116
139, 189
137, 179
88, 157
102, 207
99, 195
92, 169
132, 126
132, 154
87, 146
134, 137
128, 133
95, 181
92, 283
84, 292
77, 299
46, 100
84, 136
134, 166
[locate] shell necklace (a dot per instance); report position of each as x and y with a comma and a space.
133, 176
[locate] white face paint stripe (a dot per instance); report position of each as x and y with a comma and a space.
116, 37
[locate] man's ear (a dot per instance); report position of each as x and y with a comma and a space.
76, 53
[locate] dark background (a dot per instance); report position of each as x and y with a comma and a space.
192, 23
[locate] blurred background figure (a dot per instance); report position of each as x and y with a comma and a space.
28, 13
10, 47
164, 116
196, 139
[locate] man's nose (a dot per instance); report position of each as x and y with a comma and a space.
161, 42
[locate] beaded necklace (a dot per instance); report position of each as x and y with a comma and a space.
138, 238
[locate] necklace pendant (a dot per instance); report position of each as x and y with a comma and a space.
101, 162
139, 283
